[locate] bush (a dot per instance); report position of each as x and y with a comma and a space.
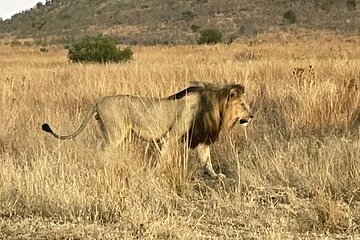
351, 4
194, 28
289, 17
100, 49
210, 36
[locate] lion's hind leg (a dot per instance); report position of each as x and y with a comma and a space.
103, 131
118, 136
113, 134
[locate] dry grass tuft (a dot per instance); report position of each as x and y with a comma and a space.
293, 173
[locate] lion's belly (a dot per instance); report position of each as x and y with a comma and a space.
155, 121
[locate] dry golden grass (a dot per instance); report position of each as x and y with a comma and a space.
294, 174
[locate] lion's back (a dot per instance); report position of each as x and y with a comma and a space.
149, 117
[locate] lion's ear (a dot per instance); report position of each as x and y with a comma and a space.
236, 91
233, 93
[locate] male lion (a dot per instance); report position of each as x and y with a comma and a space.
196, 114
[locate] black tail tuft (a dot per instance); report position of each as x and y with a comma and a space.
45, 127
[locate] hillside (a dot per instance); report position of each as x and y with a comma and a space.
160, 21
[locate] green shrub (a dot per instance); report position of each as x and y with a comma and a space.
100, 49
289, 17
351, 4
194, 28
210, 36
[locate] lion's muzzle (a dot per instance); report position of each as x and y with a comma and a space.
246, 121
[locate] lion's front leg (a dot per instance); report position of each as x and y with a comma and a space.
205, 160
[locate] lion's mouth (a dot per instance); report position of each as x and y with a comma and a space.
243, 122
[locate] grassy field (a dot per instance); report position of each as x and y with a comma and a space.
293, 173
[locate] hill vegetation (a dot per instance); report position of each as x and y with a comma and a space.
160, 21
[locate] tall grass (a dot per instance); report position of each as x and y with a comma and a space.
293, 173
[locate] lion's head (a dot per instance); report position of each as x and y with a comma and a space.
220, 106
235, 107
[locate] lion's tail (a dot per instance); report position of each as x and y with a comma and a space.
45, 127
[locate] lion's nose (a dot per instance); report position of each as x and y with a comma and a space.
243, 121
